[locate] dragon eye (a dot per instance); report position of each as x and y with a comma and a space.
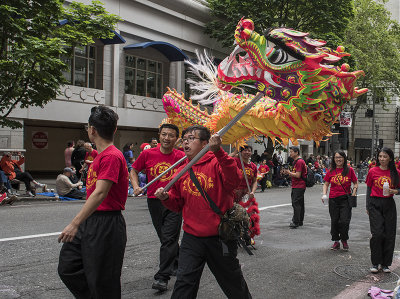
280, 56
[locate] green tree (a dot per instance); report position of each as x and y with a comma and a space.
325, 19
31, 42
373, 39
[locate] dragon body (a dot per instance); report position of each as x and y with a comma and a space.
304, 92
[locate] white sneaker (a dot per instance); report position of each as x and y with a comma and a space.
386, 269
29, 193
374, 269
40, 185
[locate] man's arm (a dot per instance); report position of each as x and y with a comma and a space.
135, 181
91, 204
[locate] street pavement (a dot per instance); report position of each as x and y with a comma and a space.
287, 263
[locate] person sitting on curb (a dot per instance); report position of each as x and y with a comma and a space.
66, 188
13, 170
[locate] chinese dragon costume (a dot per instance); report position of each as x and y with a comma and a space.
304, 91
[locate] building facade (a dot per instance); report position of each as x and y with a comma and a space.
129, 74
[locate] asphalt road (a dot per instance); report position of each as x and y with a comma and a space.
287, 263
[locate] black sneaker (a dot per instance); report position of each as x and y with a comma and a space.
293, 225
386, 269
161, 285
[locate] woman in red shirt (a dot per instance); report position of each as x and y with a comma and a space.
263, 169
381, 210
340, 177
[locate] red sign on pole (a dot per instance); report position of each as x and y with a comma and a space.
40, 140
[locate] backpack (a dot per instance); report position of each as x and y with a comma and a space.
310, 178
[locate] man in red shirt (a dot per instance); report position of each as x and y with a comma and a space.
218, 175
251, 173
167, 223
94, 242
298, 186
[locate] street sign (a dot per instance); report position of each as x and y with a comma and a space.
40, 140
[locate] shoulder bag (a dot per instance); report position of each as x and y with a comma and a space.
234, 223
352, 198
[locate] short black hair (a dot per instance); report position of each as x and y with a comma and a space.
70, 143
104, 120
295, 149
246, 147
204, 133
169, 126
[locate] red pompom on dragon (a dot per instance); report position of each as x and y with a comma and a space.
304, 91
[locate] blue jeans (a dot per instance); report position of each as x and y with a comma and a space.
4, 179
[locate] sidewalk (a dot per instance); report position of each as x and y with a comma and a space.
51, 184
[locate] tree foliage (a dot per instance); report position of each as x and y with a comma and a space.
373, 39
31, 42
325, 19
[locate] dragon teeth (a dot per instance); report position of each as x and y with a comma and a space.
268, 78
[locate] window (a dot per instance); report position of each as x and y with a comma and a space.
143, 77
81, 62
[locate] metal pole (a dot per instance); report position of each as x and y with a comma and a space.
166, 171
244, 172
373, 126
221, 133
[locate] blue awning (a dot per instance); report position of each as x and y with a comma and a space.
170, 51
117, 38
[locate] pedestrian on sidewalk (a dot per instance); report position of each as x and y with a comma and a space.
298, 176
381, 210
339, 177
166, 223
218, 175
94, 242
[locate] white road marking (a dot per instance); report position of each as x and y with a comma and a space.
29, 237
277, 206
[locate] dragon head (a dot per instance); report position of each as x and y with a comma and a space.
288, 66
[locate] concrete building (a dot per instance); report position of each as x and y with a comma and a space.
129, 74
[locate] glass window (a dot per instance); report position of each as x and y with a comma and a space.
140, 83
81, 66
143, 77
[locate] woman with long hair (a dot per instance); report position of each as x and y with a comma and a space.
339, 176
381, 209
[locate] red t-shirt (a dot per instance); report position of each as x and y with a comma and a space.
91, 156
263, 168
110, 165
397, 164
376, 178
251, 171
155, 163
299, 166
335, 178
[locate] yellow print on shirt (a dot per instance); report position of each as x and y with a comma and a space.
249, 172
339, 179
205, 182
159, 168
91, 178
381, 180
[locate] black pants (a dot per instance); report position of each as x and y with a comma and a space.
90, 266
193, 255
263, 182
298, 205
26, 178
340, 212
75, 193
168, 227
382, 220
